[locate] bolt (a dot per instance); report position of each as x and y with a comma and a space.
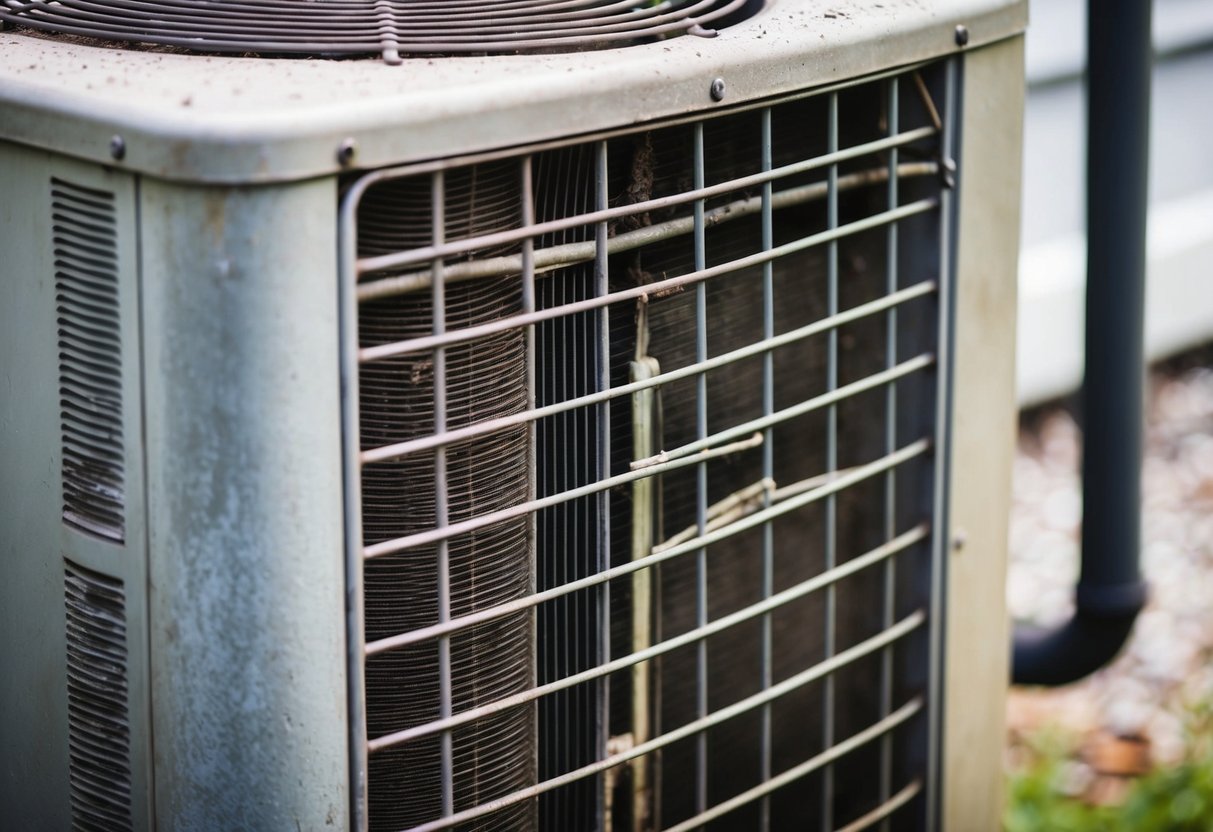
959, 538
949, 173
717, 89
345, 152
962, 35
118, 147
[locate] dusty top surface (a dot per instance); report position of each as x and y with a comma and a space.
244, 119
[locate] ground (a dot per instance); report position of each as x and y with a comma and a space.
1129, 716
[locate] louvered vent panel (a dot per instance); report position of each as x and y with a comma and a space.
98, 717
90, 358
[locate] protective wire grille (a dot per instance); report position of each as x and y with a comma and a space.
643, 440
90, 359
390, 28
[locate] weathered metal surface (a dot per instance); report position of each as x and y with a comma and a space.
220, 119
244, 506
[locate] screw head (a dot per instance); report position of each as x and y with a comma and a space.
962, 35
345, 152
949, 173
717, 89
117, 147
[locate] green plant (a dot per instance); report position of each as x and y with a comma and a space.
1179, 798
1043, 794
1046, 794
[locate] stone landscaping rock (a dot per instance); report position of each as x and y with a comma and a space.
1131, 711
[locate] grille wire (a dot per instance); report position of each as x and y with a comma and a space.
746, 227
390, 28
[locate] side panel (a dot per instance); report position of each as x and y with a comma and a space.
977, 635
68, 227
245, 506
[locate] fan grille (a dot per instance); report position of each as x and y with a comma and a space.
390, 28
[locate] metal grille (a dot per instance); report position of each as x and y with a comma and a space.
390, 28
643, 437
90, 359
98, 724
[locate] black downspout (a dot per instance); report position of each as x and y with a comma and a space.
1110, 590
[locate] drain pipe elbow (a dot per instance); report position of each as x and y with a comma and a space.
1110, 591
1092, 637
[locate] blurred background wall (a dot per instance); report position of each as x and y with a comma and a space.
1130, 746
1179, 313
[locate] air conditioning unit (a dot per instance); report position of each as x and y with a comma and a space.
505, 415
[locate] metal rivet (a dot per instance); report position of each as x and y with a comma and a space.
949, 173
117, 147
962, 35
345, 151
959, 538
717, 89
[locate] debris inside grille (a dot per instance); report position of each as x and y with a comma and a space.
648, 472
390, 28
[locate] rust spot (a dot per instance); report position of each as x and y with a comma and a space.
216, 218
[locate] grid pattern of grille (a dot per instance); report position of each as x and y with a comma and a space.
98, 724
388, 27
712, 346
90, 358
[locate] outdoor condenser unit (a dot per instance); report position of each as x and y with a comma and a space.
505, 415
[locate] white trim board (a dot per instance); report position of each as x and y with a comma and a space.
1052, 280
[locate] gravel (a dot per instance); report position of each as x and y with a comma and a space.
1166, 665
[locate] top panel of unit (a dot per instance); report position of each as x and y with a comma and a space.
226, 119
